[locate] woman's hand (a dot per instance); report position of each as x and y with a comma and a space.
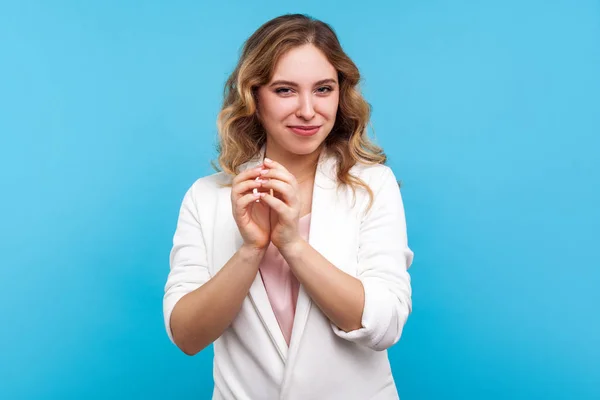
285, 204
251, 217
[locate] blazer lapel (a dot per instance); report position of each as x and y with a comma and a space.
260, 300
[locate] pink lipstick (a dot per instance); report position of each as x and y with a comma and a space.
304, 130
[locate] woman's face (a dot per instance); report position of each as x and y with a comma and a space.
298, 107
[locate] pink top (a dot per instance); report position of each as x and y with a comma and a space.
281, 284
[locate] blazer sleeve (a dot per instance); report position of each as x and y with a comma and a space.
188, 259
383, 260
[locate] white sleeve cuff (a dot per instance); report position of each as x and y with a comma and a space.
380, 328
168, 306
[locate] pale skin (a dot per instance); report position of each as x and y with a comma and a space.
303, 93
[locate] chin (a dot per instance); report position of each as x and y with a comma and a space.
303, 149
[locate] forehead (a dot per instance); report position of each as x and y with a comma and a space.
304, 64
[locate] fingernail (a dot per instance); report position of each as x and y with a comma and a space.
268, 160
264, 171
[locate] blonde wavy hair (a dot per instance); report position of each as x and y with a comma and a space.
241, 135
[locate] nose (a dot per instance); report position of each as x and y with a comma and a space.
305, 109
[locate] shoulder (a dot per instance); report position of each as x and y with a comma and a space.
206, 188
374, 175
368, 173
213, 181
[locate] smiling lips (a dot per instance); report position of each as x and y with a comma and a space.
304, 130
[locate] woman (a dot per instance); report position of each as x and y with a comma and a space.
293, 260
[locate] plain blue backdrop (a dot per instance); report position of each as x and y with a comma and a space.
490, 115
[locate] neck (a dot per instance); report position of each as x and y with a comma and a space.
302, 167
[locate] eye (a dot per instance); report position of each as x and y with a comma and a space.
324, 89
283, 90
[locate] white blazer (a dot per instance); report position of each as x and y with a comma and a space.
251, 358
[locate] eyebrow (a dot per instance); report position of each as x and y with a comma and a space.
290, 83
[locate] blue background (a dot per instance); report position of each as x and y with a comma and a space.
490, 115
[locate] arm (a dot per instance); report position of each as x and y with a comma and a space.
371, 309
383, 260
197, 307
339, 295
201, 316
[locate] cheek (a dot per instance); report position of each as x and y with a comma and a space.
329, 107
276, 109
